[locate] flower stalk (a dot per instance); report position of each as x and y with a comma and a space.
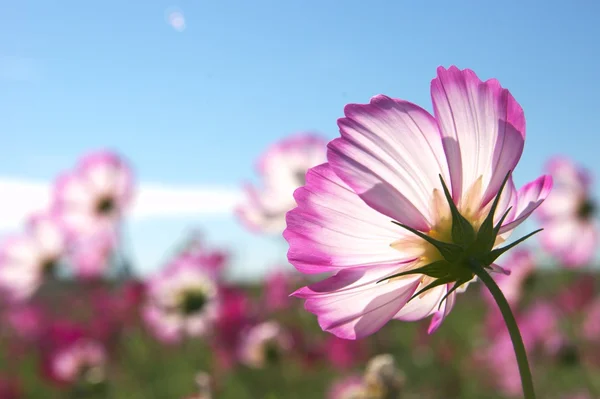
513, 329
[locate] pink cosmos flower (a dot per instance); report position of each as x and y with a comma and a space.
26, 321
94, 196
83, 359
196, 251
264, 344
276, 290
348, 388
282, 169
378, 208
232, 321
90, 258
571, 232
577, 296
26, 259
343, 353
182, 301
70, 356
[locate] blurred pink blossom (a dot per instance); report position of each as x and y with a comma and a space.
27, 320
277, 288
263, 344
282, 169
568, 215
577, 296
27, 259
182, 300
69, 356
348, 388
90, 257
94, 196
232, 321
344, 353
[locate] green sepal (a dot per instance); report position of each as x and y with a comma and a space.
492, 256
436, 283
436, 269
450, 252
462, 231
486, 236
454, 288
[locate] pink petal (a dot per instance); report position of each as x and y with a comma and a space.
332, 228
483, 129
352, 304
391, 155
584, 248
529, 198
560, 203
571, 241
566, 174
441, 314
72, 191
105, 172
260, 212
422, 306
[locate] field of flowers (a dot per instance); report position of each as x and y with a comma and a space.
402, 280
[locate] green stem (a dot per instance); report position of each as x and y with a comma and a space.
513, 330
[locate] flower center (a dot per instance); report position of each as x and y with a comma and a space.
586, 209
459, 247
49, 267
105, 205
193, 301
272, 352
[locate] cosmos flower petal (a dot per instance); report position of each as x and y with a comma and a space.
529, 198
282, 169
422, 306
568, 175
71, 190
584, 248
391, 155
352, 304
106, 172
559, 204
332, 228
259, 213
573, 242
483, 129
441, 314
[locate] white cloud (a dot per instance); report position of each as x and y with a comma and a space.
19, 198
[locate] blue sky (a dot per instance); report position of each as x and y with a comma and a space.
197, 107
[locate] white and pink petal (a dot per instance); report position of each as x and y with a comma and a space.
391, 155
